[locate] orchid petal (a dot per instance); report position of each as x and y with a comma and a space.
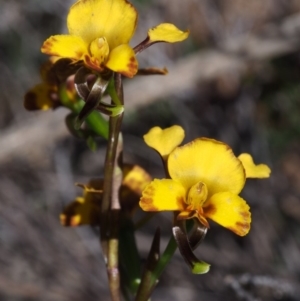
209, 161
230, 211
164, 141
122, 59
163, 195
253, 170
115, 20
65, 46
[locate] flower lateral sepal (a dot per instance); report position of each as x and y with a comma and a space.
179, 232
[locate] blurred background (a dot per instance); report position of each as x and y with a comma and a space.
236, 79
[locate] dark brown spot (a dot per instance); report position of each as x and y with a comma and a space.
209, 210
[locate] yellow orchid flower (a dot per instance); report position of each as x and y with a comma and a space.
99, 33
85, 210
45, 95
205, 180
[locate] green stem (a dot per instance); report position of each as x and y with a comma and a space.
112, 91
110, 207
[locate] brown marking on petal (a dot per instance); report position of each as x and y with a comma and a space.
244, 226
132, 66
92, 64
146, 204
240, 229
209, 210
180, 201
150, 191
146, 200
245, 214
46, 47
79, 54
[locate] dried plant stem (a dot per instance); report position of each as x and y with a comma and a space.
110, 208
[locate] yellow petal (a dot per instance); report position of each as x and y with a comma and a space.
65, 46
230, 211
252, 170
167, 32
41, 97
114, 19
164, 141
135, 178
163, 195
122, 59
83, 211
134, 181
209, 161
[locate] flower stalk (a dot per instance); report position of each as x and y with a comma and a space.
110, 207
